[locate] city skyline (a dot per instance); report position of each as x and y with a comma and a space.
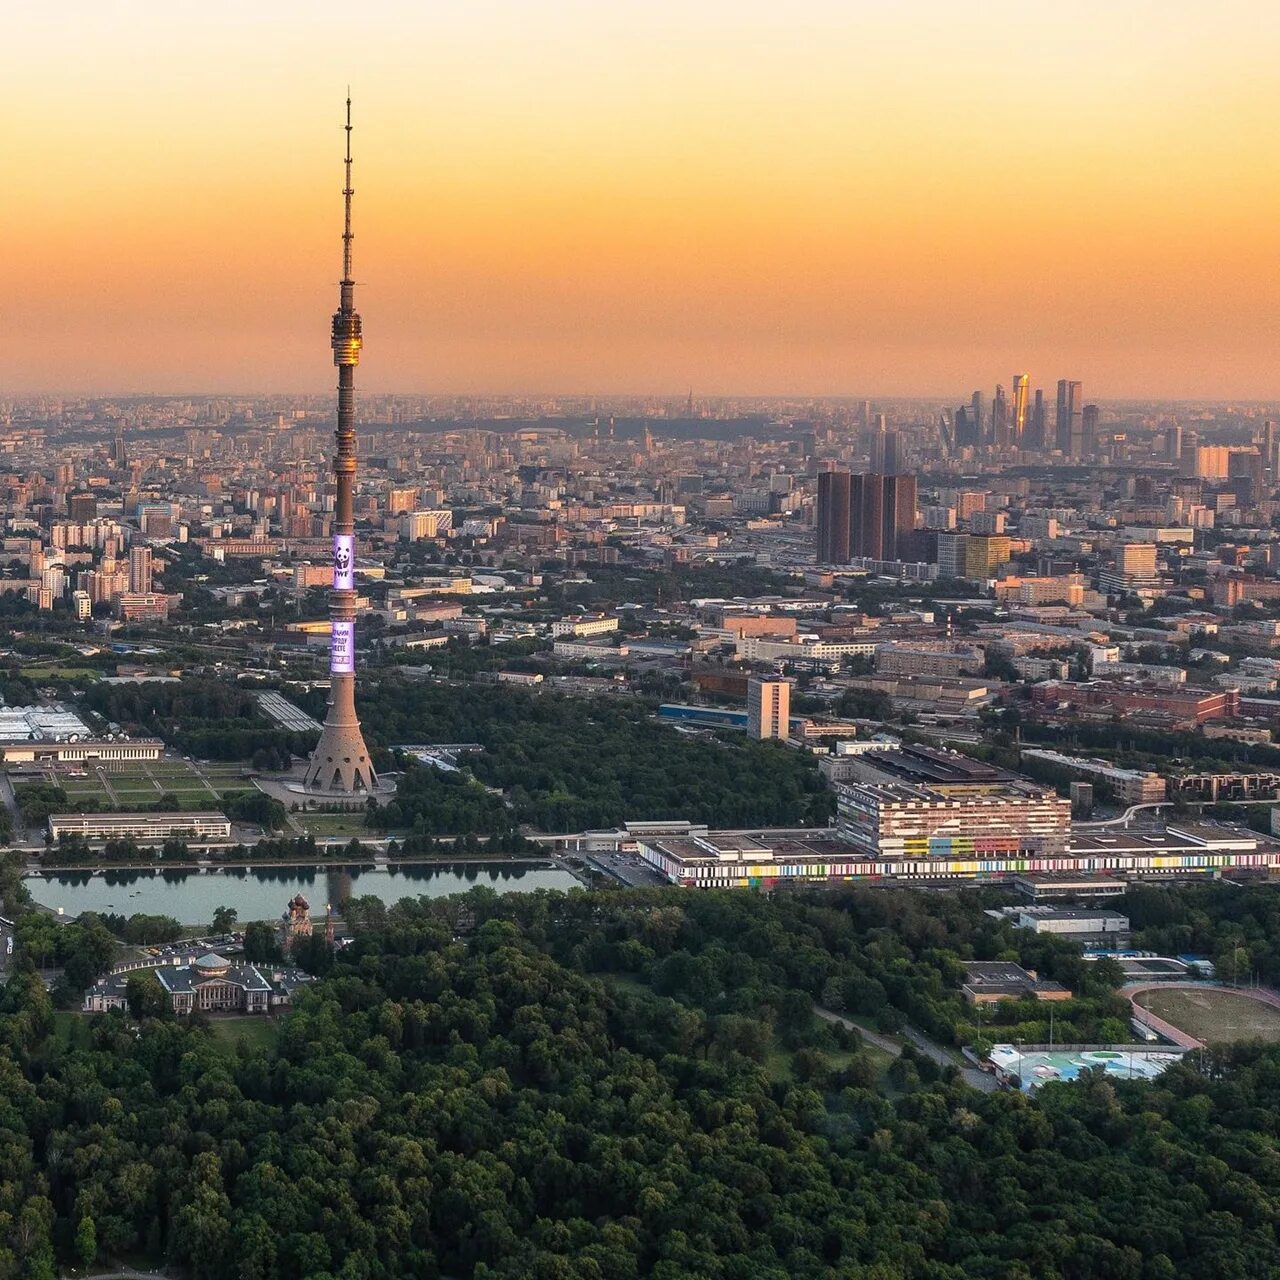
563, 201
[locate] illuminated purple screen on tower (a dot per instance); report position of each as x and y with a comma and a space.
344, 562
342, 648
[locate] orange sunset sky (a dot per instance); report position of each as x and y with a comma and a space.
830, 197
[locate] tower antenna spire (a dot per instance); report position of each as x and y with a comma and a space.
347, 192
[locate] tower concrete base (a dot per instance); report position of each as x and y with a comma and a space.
340, 764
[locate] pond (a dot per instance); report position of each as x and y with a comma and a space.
261, 893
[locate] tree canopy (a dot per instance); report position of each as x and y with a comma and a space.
587, 1085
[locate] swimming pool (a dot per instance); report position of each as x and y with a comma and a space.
1044, 1067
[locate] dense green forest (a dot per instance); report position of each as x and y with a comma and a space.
567, 764
562, 763
519, 1102
210, 719
430, 801
1237, 927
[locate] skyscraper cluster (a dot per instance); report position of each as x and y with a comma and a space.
1022, 422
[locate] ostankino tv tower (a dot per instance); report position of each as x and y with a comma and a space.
340, 764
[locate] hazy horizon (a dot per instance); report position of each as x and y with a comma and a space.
726, 196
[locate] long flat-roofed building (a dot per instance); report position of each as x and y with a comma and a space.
731, 860
140, 826
948, 772
86, 750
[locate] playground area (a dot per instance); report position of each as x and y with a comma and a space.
1215, 1015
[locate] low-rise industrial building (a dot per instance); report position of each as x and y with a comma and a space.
1131, 786
989, 981
1079, 923
595, 624
929, 659
275, 706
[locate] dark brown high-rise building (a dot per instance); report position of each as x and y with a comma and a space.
833, 518
866, 515
340, 764
82, 507
898, 516
882, 515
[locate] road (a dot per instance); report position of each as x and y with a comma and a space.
931, 1049
125, 1273
1125, 818
873, 1038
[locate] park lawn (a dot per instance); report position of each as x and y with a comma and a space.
65, 673
83, 790
881, 1057
1214, 1015
335, 824
779, 1061
70, 1029
92, 795
626, 982
256, 1030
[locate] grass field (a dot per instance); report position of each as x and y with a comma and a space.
70, 1029
1213, 1015
67, 673
85, 790
779, 1062
255, 1030
139, 784
335, 824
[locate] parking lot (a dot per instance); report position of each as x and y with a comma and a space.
629, 868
